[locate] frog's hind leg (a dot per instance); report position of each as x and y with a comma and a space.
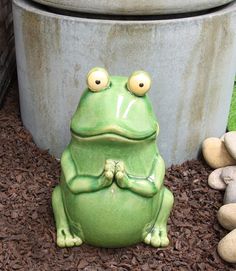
64, 236
157, 237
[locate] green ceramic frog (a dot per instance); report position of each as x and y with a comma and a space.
111, 192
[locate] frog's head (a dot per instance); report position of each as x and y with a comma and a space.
115, 106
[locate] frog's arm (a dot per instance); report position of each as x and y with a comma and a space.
149, 186
83, 183
158, 171
67, 165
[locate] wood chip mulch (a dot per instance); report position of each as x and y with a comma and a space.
27, 230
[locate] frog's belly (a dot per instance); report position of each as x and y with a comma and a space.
111, 217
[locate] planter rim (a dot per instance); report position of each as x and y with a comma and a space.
31, 7
134, 7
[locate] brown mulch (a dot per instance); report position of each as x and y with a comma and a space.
27, 230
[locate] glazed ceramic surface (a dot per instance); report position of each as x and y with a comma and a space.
134, 7
111, 192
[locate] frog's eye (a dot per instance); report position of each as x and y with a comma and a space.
98, 79
139, 83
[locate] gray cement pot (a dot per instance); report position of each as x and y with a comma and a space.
134, 7
192, 61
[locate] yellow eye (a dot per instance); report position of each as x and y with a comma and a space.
98, 79
139, 83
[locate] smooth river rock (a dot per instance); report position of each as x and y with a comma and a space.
230, 193
227, 247
215, 181
215, 153
227, 216
228, 174
230, 143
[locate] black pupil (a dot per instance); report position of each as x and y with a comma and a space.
98, 82
141, 85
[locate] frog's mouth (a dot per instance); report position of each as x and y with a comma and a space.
114, 133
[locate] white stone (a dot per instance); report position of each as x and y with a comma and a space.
228, 174
215, 181
227, 247
134, 7
230, 193
230, 143
55, 52
227, 216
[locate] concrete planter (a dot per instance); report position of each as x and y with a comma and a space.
192, 61
134, 7
7, 51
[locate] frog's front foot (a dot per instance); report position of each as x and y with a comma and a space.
66, 239
108, 174
157, 237
109, 169
121, 176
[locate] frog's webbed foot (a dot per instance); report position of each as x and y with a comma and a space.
157, 237
66, 239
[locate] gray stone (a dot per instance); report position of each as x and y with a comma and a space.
227, 247
215, 181
228, 174
134, 7
227, 216
230, 193
230, 143
55, 52
222, 138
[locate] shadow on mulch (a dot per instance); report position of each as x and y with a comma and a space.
27, 230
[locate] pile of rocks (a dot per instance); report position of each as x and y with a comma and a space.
220, 154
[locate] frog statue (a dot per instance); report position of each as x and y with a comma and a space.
111, 191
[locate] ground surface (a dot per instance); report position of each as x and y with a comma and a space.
27, 230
